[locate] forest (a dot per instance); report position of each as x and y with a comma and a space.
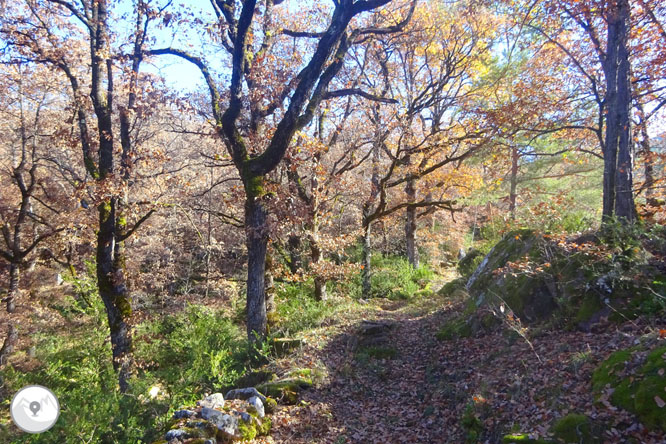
334, 221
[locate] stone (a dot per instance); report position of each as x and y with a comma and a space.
244, 416
180, 414
245, 394
256, 406
371, 328
225, 423
214, 401
176, 434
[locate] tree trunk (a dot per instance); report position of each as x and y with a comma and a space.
12, 294
410, 226
367, 255
513, 193
270, 285
295, 261
114, 292
9, 344
625, 208
646, 153
612, 117
316, 256
256, 232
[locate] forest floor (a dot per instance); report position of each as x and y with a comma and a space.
406, 386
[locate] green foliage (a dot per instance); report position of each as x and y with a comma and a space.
297, 310
472, 424
454, 329
212, 346
394, 278
78, 369
365, 354
181, 355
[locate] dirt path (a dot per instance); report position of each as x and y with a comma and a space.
379, 385
405, 386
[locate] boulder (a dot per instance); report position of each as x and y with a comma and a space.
214, 401
227, 425
181, 414
530, 297
174, 434
256, 406
245, 394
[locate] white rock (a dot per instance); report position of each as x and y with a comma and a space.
225, 423
245, 393
214, 401
257, 405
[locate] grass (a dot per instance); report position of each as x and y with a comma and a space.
181, 356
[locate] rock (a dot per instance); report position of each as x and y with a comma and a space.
214, 401
372, 328
176, 434
180, 414
244, 416
286, 390
225, 423
256, 406
282, 346
245, 394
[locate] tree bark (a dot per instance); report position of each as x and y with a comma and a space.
270, 285
114, 292
367, 256
9, 344
295, 260
625, 209
12, 294
316, 257
610, 66
410, 226
256, 231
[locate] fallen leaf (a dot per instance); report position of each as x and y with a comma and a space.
660, 402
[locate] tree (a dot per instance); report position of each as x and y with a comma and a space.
251, 38
38, 33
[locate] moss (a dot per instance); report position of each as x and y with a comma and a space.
523, 438
270, 405
247, 430
652, 383
470, 262
254, 185
450, 287
457, 328
264, 426
588, 307
377, 352
286, 390
576, 429
282, 346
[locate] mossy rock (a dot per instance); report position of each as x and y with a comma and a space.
286, 390
284, 346
467, 265
270, 405
523, 438
634, 376
577, 429
256, 427
530, 297
253, 379
450, 287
